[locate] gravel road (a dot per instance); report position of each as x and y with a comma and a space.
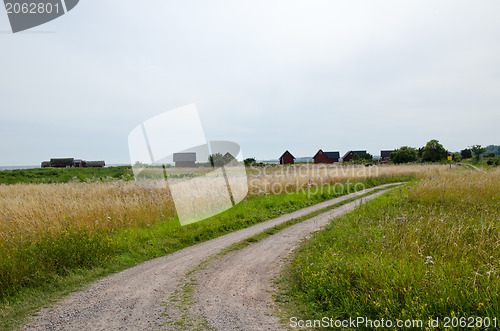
232, 291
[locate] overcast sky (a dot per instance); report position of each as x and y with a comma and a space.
269, 75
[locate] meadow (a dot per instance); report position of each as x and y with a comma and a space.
54, 237
33, 209
430, 250
65, 175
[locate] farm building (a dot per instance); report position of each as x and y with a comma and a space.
71, 163
349, 155
184, 160
95, 164
326, 157
62, 163
287, 158
228, 157
80, 163
385, 155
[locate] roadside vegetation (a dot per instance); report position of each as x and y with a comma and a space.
56, 237
428, 250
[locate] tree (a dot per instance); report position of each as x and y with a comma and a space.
404, 154
420, 150
466, 153
434, 152
250, 161
365, 157
216, 160
493, 149
477, 150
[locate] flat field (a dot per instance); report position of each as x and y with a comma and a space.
59, 235
33, 209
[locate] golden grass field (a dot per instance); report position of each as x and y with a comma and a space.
36, 208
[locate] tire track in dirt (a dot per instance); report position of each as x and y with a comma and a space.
134, 298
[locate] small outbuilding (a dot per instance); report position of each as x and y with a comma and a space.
385, 155
95, 164
287, 158
228, 157
349, 155
326, 157
185, 160
80, 163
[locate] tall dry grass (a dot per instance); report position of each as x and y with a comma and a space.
299, 177
35, 208
32, 209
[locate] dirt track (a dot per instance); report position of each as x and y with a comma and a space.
232, 291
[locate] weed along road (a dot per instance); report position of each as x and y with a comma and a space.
198, 286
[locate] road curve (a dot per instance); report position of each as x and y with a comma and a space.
470, 166
133, 299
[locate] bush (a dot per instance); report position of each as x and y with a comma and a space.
404, 154
466, 153
434, 152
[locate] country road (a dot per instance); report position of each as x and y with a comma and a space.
229, 292
470, 166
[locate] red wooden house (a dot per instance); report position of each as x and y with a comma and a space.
326, 157
287, 158
349, 155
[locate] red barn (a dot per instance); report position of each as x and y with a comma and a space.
287, 158
326, 157
349, 155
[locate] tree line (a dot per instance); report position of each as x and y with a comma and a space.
433, 151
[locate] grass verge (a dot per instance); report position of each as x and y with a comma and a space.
429, 251
35, 272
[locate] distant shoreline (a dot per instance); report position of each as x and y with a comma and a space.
19, 167
39, 167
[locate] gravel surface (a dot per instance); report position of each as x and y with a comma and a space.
232, 291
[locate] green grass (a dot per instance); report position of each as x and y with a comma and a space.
55, 264
65, 175
427, 251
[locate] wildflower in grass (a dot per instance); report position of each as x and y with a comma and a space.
429, 260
